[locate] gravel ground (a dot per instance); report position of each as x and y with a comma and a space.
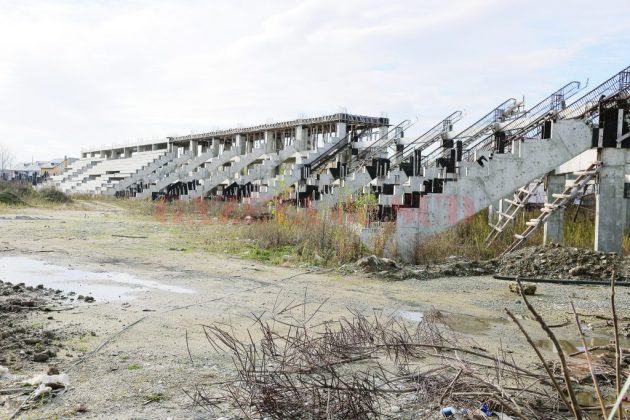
146, 343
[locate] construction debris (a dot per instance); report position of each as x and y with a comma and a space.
389, 269
526, 289
376, 264
557, 262
21, 342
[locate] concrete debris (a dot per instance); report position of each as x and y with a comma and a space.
42, 390
374, 263
389, 269
55, 381
25, 342
41, 357
557, 262
528, 289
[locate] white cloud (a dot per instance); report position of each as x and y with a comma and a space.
77, 73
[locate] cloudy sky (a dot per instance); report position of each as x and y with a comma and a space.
79, 73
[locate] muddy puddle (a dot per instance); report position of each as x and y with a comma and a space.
457, 322
104, 286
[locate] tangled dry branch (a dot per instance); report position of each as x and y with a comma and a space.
301, 367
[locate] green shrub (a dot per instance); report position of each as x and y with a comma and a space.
9, 198
54, 195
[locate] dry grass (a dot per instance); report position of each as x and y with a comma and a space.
279, 233
321, 238
467, 239
22, 194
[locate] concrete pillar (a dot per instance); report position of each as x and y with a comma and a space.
554, 226
342, 129
610, 206
382, 131
300, 141
269, 142
238, 144
215, 147
194, 147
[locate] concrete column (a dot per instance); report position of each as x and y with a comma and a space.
215, 147
610, 206
382, 131
342, 129
239, 144
194, 147
300, 142
554, 226
269, 142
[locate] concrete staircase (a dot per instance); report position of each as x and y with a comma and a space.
272, 187
73, 172
445, 199
141, 174
217, 175
180, 171
267, 166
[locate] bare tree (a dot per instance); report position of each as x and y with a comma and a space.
6, 157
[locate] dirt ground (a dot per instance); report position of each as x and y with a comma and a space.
143, 349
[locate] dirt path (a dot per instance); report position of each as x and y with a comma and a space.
151, 357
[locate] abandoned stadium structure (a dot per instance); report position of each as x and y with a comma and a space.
570, 140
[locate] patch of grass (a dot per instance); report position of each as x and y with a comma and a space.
23, 194
323, 238
154, 397
134, 366
54, 195
10, 199
81, 343
271, 255
467, 239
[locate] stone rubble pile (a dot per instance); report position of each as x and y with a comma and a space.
557, 262
386, 268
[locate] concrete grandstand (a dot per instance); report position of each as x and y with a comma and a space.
425, 184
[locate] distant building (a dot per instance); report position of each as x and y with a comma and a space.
36, 171
55, 166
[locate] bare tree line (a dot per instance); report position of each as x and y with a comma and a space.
6, 157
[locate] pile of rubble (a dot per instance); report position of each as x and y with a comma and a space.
390, 269
27, 345
557, 262
26, 342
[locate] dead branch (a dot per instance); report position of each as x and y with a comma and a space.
616, 343
552, 377
565, 371
590, 364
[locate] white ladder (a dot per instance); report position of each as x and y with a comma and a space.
520, 199
560, 200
